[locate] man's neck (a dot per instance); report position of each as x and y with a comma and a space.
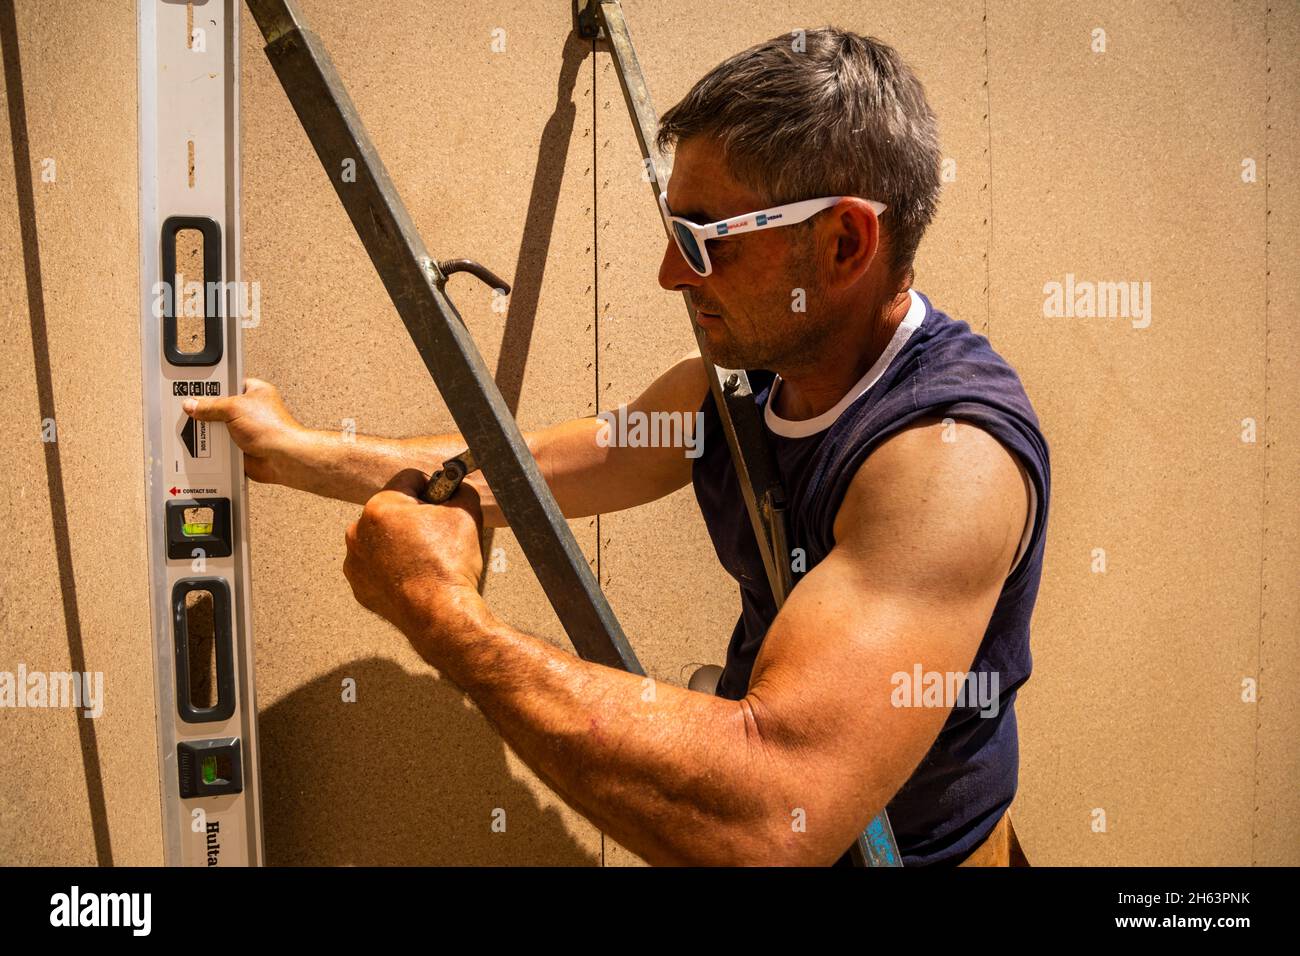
815, 387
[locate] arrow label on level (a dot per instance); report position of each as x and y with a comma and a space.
197, 438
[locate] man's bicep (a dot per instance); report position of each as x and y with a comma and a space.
918, 565
680, 388
669, 410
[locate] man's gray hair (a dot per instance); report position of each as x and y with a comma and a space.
818, 113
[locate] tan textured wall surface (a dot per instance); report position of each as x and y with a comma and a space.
1117, 166
73, 582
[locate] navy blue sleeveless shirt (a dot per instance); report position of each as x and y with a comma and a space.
934, 366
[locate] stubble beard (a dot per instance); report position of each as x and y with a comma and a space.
799, 336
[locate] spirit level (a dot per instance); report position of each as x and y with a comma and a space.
197, 514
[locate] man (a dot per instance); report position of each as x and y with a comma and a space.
918, 485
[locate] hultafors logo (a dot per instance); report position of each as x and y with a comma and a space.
102, 909
214, 844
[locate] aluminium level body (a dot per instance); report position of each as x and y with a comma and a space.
196, 498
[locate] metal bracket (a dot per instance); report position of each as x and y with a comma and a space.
445, 481
586, 21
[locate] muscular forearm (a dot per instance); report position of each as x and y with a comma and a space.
676, 776
353, 468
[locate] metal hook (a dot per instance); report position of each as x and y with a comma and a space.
479, 271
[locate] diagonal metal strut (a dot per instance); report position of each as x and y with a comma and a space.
415, 283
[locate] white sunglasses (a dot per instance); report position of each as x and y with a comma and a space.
691, 237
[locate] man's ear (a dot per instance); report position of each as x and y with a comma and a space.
857, 240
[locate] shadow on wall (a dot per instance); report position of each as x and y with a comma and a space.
535, 244
23, 171
408, 775
539, 225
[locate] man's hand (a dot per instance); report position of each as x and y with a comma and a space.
415, 564
260, 424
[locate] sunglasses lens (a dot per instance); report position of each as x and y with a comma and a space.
690, 248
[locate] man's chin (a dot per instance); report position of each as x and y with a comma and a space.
723, 351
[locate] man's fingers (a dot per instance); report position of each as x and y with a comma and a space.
223, 409
349, 549
409, 481
467, 497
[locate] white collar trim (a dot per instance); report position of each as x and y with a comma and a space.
790, 428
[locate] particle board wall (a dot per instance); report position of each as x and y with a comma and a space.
73, 584
1277, 758
510, 143
491, 153
1134, 729
1122, 159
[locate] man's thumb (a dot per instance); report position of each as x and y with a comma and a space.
208, 409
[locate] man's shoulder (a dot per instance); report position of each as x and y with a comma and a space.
940, 476
951, 349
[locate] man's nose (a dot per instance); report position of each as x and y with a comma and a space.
675, 274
